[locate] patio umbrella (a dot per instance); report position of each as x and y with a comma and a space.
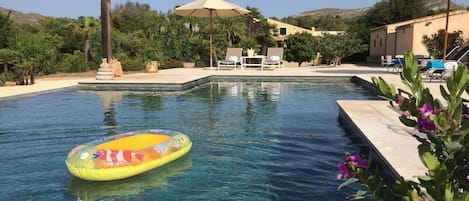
210, 9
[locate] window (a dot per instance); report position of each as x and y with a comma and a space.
374, 43
381, 42
283, 31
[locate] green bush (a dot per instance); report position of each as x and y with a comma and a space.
73, 63
170, 64
4, 77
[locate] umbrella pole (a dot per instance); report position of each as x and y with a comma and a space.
445, 44
211, 41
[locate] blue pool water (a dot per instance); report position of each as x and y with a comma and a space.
251, 141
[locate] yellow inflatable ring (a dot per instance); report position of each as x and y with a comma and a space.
127, 154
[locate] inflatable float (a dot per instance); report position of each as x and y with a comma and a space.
91, 190
127, 154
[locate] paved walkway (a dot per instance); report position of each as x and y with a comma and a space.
376, 120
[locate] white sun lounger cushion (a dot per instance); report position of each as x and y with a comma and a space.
274, 58
233, 58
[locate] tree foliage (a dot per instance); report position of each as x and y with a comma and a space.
388, 12
324, 23
334, 48
300, 48
435, 42
5, 27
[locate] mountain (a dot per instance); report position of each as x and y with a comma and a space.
22, 18
351, 13
439, 4
344, 13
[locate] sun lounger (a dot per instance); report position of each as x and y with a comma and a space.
233, 57
274, 58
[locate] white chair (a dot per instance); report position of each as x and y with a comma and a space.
274, 58
382, 61
233, 57
388, 62
398, 63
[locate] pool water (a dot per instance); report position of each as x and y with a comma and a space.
251, 141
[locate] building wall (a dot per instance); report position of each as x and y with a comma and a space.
289, 29
388, 35
391, 44
404, 39
286, 29
457, 21
378, 41
408, 35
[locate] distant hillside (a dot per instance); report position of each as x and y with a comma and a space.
22, 18
351, 13
344, 13
438, 4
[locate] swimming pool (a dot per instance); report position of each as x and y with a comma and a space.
251, 141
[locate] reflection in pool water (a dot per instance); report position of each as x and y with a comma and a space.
89, 190
251, 141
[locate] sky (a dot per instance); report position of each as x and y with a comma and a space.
268, 8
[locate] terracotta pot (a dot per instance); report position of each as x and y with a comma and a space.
152, 67
188, 64
10, 84
104, 63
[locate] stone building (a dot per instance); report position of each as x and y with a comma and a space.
286, 29
396, 39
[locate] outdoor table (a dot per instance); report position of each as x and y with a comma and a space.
256, 60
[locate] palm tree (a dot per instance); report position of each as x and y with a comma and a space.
251, 19
7, 57
265, 35
87, 25
232, 29
106, 40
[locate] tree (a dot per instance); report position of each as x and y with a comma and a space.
388, 12
8, 57
173, 40
67, 33
252, 19
134, 16
106, 37
5, 26
334, 48
300, 48
332, 23
34, 53
265, 35
435, 42
230, 28
87, 25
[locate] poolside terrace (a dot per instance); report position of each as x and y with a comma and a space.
375, 121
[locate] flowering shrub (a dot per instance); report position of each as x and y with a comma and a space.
352, 163
444, 151
435, 42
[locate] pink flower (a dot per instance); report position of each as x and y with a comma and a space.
424, 123
350, 165
401, 99
358, 162
426, 110
344, 172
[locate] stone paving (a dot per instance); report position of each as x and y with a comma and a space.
375, 120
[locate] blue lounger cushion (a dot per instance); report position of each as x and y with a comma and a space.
435, 64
